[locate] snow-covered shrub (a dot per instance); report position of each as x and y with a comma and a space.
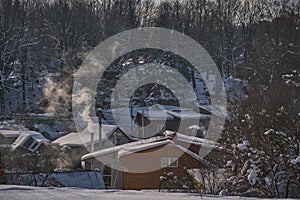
193, 181
171, 182
254, 172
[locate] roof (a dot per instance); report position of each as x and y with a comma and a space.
195, 140
80, 139
172, 113
25, 135
10, 133
113, 149
187, 114
137, 148
167, 139
156, 114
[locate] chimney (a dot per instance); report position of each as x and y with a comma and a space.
92, 142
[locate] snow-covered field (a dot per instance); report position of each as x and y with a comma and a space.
10, 192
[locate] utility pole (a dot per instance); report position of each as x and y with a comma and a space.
143, 124
131, 116
92, 149
99, 114
100, 127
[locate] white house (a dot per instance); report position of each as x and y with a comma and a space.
30, 140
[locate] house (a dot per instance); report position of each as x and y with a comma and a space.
79, 144
112, 135
7, 137
139, 165
154, 120
175, 119
30, 140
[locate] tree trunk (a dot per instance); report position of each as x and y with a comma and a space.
287, 188
2, 102
23, 74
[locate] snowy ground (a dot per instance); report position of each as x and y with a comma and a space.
9, 192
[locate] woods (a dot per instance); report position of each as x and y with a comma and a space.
42, 44
250, 39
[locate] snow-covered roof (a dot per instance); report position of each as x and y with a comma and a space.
131, 148
80, 139
137, 148
25, 135
189, 139
38, 137
10, 133
164, 112
195, 140
187, 114
110, 150
150, 143
43, 115
156, 114
170, 112
71, 139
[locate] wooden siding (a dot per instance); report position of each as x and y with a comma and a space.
148, 163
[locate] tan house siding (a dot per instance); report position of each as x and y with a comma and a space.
147, 161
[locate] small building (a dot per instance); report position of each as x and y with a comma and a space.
139, 165
174, 119
112, 135
161, 118
30, 140
79, 144
7, 137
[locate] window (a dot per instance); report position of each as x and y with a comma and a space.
87, 165
169, 162
28, 143
34, 146
107, 175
